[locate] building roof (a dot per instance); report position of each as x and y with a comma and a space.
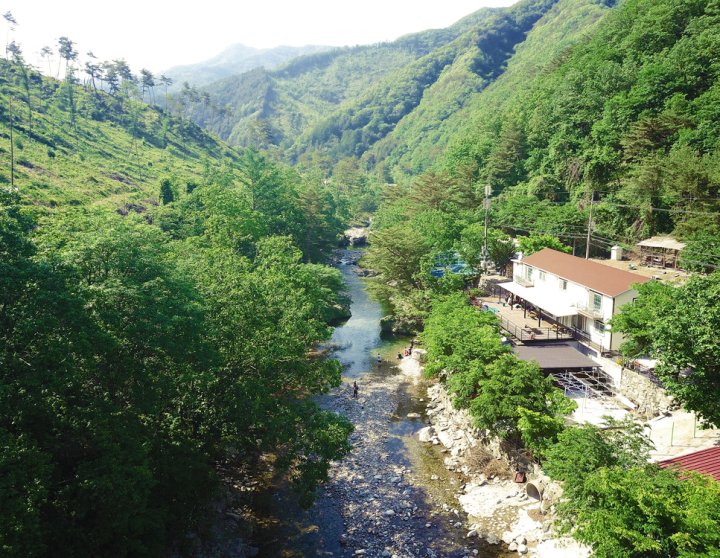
596, 276
706, 462
667, 242
556, 356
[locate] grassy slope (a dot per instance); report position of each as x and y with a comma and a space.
98, 160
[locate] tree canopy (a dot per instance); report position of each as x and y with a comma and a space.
678, 327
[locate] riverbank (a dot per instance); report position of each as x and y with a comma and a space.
497, 508
386, 510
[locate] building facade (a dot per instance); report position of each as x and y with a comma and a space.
578, 294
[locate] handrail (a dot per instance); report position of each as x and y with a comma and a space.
534, 333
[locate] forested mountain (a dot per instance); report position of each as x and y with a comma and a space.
236, 59
460, 93
609, 109
629, 114
358, 90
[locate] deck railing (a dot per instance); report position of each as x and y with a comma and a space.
523, 333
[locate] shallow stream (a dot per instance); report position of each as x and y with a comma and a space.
286, 530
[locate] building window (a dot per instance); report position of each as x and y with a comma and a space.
599, 326
596, 300
542, 276
563, 285
528, 272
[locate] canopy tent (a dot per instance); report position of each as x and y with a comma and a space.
547, 302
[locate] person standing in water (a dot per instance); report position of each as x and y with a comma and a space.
379, 359
355, 390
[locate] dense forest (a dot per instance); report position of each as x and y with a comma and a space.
161, 298
624, 123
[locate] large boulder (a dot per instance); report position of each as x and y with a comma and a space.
355, 236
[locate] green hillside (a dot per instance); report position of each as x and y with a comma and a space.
318, 96
76, 146
447, 107
630, 113
443, 78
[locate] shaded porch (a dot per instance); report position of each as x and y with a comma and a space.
528, 323
524, 324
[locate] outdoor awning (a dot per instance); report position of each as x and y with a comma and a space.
554, 357
544, 301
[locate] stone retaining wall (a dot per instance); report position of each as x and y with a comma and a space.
651, 399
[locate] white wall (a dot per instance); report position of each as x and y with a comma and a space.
574, 295
625, 298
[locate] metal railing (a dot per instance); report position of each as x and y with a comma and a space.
524, 334
589, 311
523, 281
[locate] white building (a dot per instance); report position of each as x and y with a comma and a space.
579, 294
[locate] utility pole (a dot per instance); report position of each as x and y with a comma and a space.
486, 205
12, 147
589, 226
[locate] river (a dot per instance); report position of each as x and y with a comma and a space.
392, 494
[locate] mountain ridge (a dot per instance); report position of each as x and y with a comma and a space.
236, 59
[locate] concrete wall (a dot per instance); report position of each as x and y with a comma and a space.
620, 300
651, 399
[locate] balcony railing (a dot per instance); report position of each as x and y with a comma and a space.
590, 311
523, 281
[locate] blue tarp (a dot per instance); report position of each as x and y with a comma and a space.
450, 263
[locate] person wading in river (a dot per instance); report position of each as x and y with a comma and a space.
355, 390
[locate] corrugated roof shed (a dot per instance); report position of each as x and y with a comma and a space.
667, 242
596, 276
554, 357
706, 462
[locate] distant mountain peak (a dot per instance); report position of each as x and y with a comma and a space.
237, 59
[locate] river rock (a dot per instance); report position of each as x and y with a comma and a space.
445, 438
426, 434
420, 355
413, 415
522, 549
354, 236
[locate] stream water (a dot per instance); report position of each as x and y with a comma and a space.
286, 530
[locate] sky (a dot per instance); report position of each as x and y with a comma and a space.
159, 34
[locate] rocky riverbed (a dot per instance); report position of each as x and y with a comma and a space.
497, 507
386, 510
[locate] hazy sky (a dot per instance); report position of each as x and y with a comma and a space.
158, 34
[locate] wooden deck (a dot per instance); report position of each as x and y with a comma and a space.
524, 325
